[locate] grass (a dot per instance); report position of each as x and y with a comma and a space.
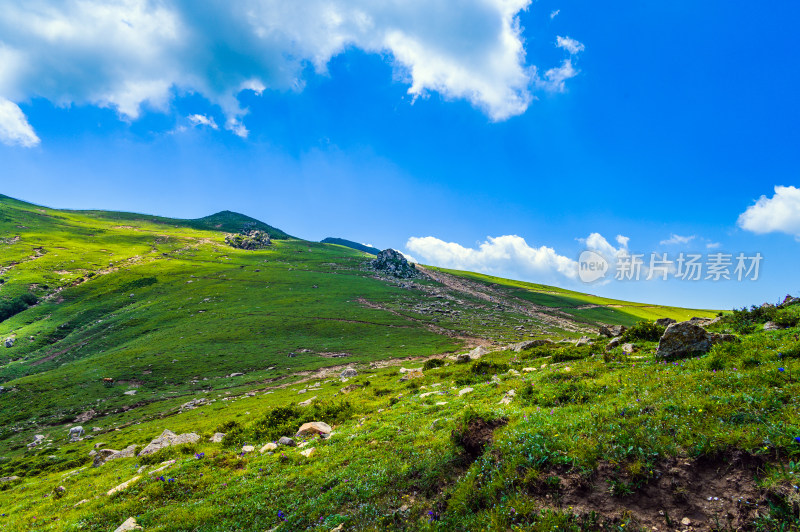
165, 309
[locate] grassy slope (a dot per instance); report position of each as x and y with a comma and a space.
392, 465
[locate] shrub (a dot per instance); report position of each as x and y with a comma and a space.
484, 367
644, 331
12, 307
786, 318
433, 363
565, 354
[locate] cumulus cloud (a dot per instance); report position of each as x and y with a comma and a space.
130, 54
502, 255
203, 120
570, 45
554, 13
677, 239
511, 256
14, 127
780, 213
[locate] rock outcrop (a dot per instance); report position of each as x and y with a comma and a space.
315, 427
168, 439
612, 331
253, 239
394, 263
687, 337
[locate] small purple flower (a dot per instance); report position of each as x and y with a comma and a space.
281, 515
171, 480
781, 370
797, 439
199, 455
161, 478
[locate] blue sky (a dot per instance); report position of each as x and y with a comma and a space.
442, 132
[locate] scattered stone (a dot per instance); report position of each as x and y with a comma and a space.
315, 427
102, 456
75, 434
37, 439
612, 331
528, 344
583, 340
665, 322
84, 501
268, 447
463, 358
194, 403
348, 373
217, 437
613, 343
128, 525
123, 486
478, 352
307, 402
9, 342
508, 397
85, 416
513, 372
168, 439
686, 521
465, 391
772, 326
247, 449
628, 349
12, 478
394, 263
416, 374
409, 370
528, 370
164, 465
287, 442
131, 392
789, 300
308, 452
702, 322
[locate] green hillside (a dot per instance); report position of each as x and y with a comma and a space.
350, 244
122, 318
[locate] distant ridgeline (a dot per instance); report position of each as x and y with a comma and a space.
350, 244
224, 221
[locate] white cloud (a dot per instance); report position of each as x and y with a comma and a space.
203, 120
623, 240
570, 45
677, 239
507, 255
555, 78
713, 245
780, 213
126, 54
554, 14
14, 127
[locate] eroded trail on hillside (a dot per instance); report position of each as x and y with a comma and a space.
548, 316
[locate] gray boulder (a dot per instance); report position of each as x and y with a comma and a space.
394, 263
9, 342
348, 373
253, 239
628, 349
528, 344
168, 439
612, 344
789, 300
702, 322
612, 331
286, 441
583, 340
665, 322
685, 338
772, 326
37, 439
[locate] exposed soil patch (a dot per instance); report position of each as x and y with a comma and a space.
477, 435
713, 493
